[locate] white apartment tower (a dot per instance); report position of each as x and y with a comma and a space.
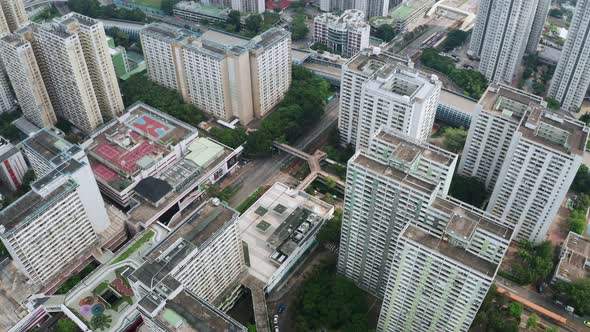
355, 72
225, 76
438, 282
572, 75
57, 222
399, 98
25, 75
98, 60
500, 36
497, 116
12, 15
248, 6
538, 25
346, 34
204, 254
393, 183
370, 8
542, 160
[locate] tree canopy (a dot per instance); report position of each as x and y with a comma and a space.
534, 262
455, 38
168, 5
384, 32
92, 8
233, 20
140, 88
327, 300
471, 81
65, 325
253, 23
230, 137
330, 231
468, 189
493, 315
575, 294
454, 139
298, 27
552, 103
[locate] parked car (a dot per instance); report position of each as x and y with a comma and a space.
281, 308
587, 323
569, 309
276, 320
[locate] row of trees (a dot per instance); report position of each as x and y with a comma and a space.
534, 262
329, 301
92, 8
302, 106
581, 186
471, 81
140, 88
455, 38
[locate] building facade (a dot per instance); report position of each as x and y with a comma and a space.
7, 101
346, 34
55, 225
538, 25
25, 76
224, 75
455, 109
540, 165
395, 182
98, 60
500, 35
355, 73
12, 15
399, 98
497, 116
572, 75
12, 165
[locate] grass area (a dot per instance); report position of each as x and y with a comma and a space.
138, 244
100, 288
250, 200
157, 4
75, 279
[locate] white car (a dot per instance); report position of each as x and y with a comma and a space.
276, 320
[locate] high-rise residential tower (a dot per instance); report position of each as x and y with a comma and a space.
572, 75
538, 25
7, 101
98, 60
224, 75
541, 162
355, 72
12, 15
400, 98
369, 7
500, 36
55, 226
395, 182
67, 78
498, 114
26, 79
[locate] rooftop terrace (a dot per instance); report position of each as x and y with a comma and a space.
369, 62
575, 260
507, 101
50, 147
408, 151
277, 224
461, 102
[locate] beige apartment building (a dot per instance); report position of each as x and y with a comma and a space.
12, 15
25, 76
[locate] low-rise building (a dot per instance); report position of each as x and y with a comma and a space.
155, 164
455, 109
12, 165
346, 34
404, 14
197, 11
574, 261
278, 230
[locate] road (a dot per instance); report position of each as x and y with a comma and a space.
573, 322
260, 172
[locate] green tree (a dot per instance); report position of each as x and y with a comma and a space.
65, 325
298, 27
330, 231
552, 103
233, 19
7, 129
538, 88
317, 46
575, 294
253, 23
230, 137
556, 12
534, 262
168, 5
454, 139
493, 315
581, 183
585, 118
385, 32
468, 189
533, 321
455, 38
119, 37
515, 309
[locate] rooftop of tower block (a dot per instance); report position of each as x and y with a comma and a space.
556, 130
370, 61
574, 263
511, 103
444, 248
408, 150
